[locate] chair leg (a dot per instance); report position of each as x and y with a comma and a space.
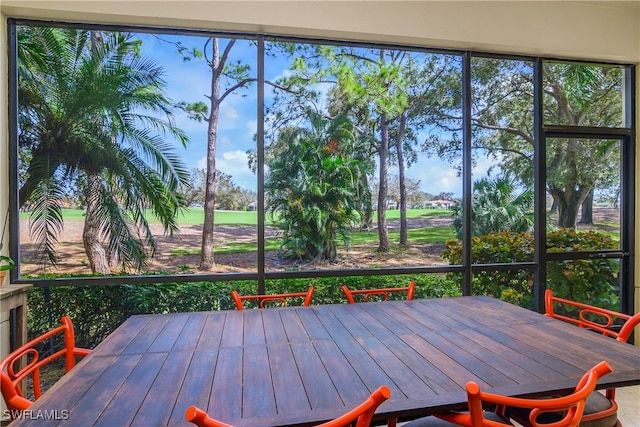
392, 422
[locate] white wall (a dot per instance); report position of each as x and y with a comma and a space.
574, 29
604, 30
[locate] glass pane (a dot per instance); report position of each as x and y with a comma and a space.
122, 189
335, 114
583, 95
502, 173
583, 200
594, 282
514, 286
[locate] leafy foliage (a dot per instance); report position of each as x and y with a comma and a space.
6, 262
314, 187
497, 206
503, 129
592, 281
92, 111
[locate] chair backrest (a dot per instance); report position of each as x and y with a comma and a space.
27, 360
591, 317
568, 409
281, 299
382, 293
360, 416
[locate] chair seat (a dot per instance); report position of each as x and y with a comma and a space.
596, 402
437, 422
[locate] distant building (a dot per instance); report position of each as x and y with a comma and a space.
440, 204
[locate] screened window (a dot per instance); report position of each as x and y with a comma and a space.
142, 155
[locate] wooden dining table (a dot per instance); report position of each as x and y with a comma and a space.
297, 366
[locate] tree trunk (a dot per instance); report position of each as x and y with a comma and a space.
587, 209
207, 260
98, 260
401, 177
568, 201
367, 222
383, 233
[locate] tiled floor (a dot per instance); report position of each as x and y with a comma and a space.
628, 399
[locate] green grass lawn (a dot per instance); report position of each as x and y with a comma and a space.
195, 216
420, 235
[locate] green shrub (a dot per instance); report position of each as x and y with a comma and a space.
98, 310
592, 281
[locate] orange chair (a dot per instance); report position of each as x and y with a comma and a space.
26, 361
383, 293
601, 410
602, 320
360, 416
565, 411
281, 298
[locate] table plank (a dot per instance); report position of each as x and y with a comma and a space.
531, 365
253, 328
320, 389
313, 327
288, 388
349, 319
233, 328
256, 374
420, 366
226, 394
190, 335
393, 366
125, 404
142, 339
490, 357
369, 371
274, 331
211, 336
122, 337
293, 326
165, 388
103, 390
332, 323
169, 334
531, 349
344, 376
196, 387
426, 344
376, 321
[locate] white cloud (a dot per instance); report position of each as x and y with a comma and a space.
236, 164
435, 177
202, 163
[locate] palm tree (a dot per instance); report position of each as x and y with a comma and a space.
92, 111
498, 206
315, 186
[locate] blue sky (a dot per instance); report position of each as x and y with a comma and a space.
189, 81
